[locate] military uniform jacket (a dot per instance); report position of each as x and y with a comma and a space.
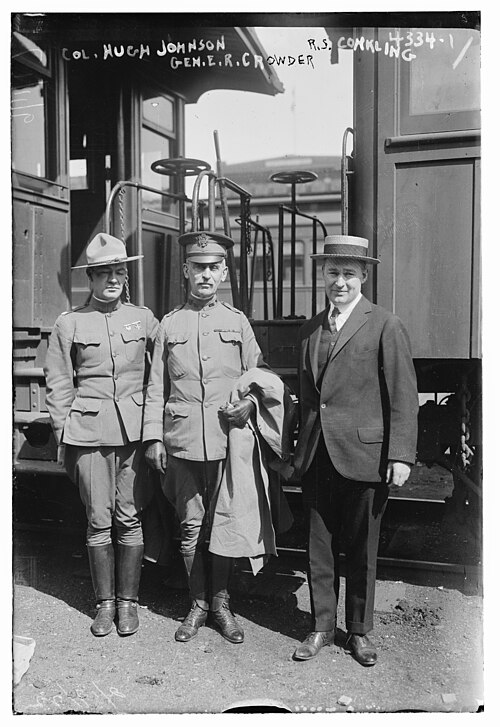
364, 401
200, 352
95, 373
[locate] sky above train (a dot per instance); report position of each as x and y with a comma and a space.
309, 118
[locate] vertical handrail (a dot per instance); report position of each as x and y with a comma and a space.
227, 222
293, 228
279, 308
344, 185
140, 251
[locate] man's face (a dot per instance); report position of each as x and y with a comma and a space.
205, 278
107, 281
343, 280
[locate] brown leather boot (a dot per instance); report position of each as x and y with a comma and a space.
221, 615
128, 576
224, 619
196, 618
102, 571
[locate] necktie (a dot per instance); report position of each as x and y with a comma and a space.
333, 320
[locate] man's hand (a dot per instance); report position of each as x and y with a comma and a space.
239, 413
156, 456
397, 473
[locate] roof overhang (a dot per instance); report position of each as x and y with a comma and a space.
189, 59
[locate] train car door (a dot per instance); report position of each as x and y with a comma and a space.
416, 180
119, 125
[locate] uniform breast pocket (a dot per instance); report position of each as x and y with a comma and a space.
177, 354
89, 350
230, 353
134, 343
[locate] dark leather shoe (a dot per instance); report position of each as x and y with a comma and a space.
229, 627
128, 619
104, 621
313, 643
362, 649
189, 627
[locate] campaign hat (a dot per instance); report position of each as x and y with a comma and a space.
105, 249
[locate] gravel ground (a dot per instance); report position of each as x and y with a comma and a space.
428, 635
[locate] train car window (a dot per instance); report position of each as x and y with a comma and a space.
441, 91
32, 108
158, 112
287, 263
157, 142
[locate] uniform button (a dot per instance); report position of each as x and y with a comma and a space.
204, 315
205, 381
114, 354
205, 333
115, 377
111, 333
323, 406
206, 405
108, 315
204, 358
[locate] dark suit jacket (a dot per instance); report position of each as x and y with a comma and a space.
367, 403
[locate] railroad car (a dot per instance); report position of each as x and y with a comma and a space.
98, 143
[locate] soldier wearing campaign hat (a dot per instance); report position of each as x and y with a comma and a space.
201, 349
357, 436
95, 372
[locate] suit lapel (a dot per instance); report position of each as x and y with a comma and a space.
314, 341
356, 320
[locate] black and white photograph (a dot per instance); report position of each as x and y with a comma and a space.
247, 362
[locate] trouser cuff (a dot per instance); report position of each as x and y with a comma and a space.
355, 627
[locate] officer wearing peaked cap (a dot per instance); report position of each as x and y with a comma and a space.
95, 373
201, 350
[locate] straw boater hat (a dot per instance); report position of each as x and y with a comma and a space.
105, 249
345, 246
205, 247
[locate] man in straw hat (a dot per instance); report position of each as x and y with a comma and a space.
201, 350
95, 372
358, 434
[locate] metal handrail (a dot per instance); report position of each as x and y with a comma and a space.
295, 212
119, 187
344, 182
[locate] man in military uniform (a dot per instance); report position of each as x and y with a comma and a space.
201, 350
95, 374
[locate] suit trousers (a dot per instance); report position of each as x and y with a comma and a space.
343, 516
114, 489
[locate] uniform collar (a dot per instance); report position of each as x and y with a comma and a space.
104, 306
199, 305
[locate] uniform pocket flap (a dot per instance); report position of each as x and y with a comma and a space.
87, 339
91, 406
178, 409
133, 335
177, 337
230, 336
371, 435
138, 398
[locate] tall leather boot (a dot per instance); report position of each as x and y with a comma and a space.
128, 576
102, 571
196, 569
220, 612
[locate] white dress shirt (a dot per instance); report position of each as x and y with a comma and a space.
345, 311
